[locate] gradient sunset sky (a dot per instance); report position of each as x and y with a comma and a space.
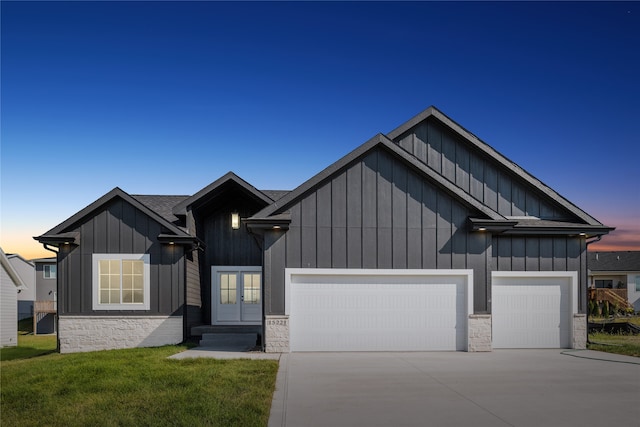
165, 97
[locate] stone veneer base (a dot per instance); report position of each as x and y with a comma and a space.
479, 339
579, 332
92, 333
479, 333
276, 334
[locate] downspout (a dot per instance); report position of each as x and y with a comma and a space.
587, 243
56, 319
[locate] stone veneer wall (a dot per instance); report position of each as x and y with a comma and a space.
276, 333
579, 332
91, 333
479, 332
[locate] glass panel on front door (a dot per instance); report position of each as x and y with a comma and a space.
236, 295
228, 288
251, 283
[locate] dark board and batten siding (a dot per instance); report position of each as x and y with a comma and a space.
121, 228
376, 214
224, 246
475, 172
543, 253
193, 300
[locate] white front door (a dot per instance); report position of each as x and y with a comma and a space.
236, 295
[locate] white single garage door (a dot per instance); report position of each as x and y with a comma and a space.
378, 310
533, 309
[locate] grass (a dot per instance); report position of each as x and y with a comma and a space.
628, 345
135, 387
625, 344
29, 346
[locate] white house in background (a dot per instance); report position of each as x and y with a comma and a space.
10, 281
46, 295
616, 270
27, 293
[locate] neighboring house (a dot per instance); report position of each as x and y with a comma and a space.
422, 239
10, 281
616, 270
46, 295
26, 293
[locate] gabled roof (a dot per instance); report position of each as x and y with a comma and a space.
59, 234
614, 261
491, 152
378, 141
492, 221
229, 177
13, 274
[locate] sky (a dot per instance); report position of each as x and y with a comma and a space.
166, 97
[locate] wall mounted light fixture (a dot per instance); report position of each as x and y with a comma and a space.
235, 220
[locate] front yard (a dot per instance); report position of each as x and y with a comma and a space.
131, 388
618, 343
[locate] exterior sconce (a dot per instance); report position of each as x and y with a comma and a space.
235, 220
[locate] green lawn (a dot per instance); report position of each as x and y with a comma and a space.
137, 387
615, 343
29, 346
626, 344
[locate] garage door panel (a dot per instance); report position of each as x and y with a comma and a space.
368, 313
531, 312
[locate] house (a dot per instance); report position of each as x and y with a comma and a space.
10, 282
425, 238
45, 305
618, 272
26, 293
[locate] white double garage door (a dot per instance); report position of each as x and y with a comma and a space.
423, 310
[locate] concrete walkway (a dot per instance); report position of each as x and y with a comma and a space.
226, 352
502, 388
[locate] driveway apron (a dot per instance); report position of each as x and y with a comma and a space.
501, 388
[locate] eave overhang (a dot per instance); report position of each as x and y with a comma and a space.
71, 238
275, 222
541, 227
187, 241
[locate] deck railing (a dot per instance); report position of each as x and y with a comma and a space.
614, 296
44, 307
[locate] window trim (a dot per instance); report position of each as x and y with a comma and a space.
145, 305
637, 281
46, 267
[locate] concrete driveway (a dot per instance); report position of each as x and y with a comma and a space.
503, 388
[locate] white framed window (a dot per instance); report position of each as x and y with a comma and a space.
121, 282
637, 283
49, 271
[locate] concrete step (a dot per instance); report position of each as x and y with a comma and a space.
215, 329
229, 341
